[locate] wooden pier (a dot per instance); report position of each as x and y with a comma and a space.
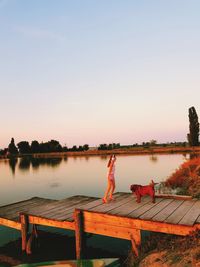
121, 218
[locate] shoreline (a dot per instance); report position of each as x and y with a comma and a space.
120, 151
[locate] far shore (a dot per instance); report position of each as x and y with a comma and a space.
120, 151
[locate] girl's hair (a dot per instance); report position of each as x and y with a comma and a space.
109, 162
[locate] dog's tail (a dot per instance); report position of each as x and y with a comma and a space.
152, 183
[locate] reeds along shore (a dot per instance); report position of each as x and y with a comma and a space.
125, 151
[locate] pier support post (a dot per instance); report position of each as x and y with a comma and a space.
24, 229
136, 241
34, 234
78, 216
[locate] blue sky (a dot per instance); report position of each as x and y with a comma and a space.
98, 71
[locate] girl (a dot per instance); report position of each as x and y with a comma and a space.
111, 179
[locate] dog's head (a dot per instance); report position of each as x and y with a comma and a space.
134, 187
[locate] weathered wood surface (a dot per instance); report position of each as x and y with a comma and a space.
50, 210
166, 210
98, 205
144, 208
148, 215
129, 207
179, 213
46, 208
64, 212
14, 207
12, 211
191, 216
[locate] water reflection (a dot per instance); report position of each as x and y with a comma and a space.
12, 163
153, 158
25, 163
51, 162
53, 185
104, 157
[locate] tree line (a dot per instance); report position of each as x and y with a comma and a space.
24, 147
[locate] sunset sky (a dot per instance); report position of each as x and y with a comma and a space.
98, 71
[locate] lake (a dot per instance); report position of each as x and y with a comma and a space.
59, 178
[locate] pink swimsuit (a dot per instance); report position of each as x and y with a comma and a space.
111, 173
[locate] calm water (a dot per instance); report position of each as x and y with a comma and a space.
60, 178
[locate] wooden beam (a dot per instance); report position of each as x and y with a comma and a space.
50, 222
24, 230
79, 233
181, 197
131, 223
34, 234
11, 224
108, 230
136, 241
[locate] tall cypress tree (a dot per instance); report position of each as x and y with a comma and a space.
12, 147
193, 136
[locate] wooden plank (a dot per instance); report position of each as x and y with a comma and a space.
52, 205
70, 216
191, 216
167, 211
144, 208
56, 204
65, 211
154, 210
113, 204
88, 206
129, 206
55, 207
101, 206
180, 197
18, 205
14, 214
108, 230
147, 225
50, 222
11, 224
198, 219
180, 212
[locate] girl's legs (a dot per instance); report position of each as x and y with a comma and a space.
107, 191
112, 188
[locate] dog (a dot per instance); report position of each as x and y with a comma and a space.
142, 190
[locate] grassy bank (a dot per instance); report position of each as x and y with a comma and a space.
120, 151
161, 250
186, 179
